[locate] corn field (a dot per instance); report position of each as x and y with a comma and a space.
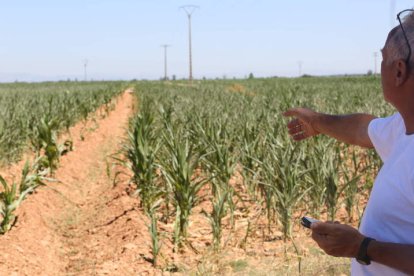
187, 143
32, 116
223, 143
29, 113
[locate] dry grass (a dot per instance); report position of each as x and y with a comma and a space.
310, 262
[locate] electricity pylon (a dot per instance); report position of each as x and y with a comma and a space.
189, 10
165, 60
85, 64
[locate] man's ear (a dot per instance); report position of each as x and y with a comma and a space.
401, 72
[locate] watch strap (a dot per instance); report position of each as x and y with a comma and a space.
362, 257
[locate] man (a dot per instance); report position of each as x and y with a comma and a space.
384, 244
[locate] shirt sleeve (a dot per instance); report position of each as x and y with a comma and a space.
383, 133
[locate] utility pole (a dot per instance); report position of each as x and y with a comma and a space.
375, 62
189, 10
165, 60
85, 64
300, 63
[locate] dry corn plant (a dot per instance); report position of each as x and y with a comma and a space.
13, 194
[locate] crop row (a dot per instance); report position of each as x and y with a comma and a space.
27, 108
35, 114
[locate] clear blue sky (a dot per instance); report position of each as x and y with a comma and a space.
47, 40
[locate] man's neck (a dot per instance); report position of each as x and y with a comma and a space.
408, 117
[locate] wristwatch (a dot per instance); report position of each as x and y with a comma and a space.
362, 257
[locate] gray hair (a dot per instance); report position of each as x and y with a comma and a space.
396, 45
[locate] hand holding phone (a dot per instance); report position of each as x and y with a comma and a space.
307, 221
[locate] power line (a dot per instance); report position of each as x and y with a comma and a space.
189, 10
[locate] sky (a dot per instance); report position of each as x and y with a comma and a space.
121, 39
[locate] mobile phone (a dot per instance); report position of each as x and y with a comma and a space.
307, 221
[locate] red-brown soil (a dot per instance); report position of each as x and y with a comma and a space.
78, 226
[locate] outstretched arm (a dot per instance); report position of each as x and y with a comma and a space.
351, 129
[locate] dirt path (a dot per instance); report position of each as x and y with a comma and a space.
70, 228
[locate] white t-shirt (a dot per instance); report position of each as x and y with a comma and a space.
389, 215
